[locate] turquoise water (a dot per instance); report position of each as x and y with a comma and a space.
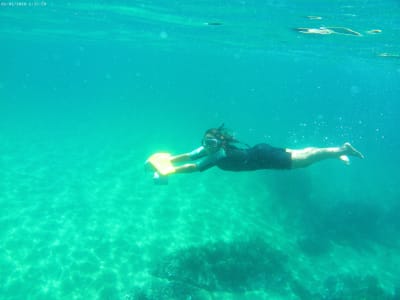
88, 90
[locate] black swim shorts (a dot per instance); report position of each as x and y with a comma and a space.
261, 156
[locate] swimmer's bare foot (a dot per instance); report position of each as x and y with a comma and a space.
348, 149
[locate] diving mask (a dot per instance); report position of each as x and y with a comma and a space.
211, 142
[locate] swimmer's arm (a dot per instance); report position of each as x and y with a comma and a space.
195, 154
186, 168
202, 164
180, 157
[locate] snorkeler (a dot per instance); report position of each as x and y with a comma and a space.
220, 148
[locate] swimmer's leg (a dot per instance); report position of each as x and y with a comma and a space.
304, 157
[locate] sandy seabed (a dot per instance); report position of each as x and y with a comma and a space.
92, 225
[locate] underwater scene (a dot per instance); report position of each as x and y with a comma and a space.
89, 90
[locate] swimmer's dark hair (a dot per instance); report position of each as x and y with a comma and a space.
224, 135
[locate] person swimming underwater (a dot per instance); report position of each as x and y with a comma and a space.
220, 148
